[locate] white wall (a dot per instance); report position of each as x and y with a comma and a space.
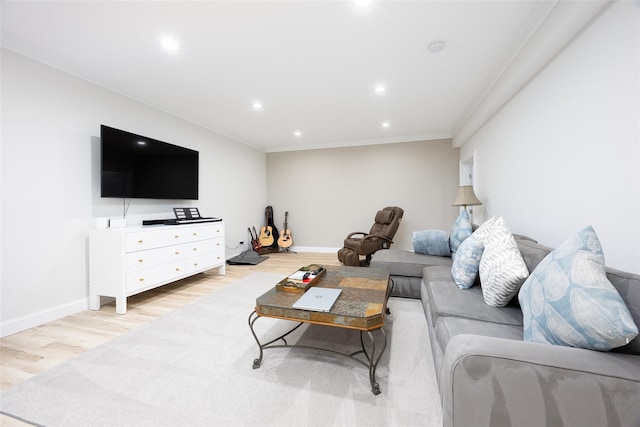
332, 192
50, 183
564, 153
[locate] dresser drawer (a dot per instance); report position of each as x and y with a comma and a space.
203, 233
203, 247
149, 277
152, 257
204, 262
143, 240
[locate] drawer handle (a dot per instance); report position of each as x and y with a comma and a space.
141, 279
218, 244
195, 234
218, 257
176, 236
140, 260
195, 264
177, 268
195, 249
139, 241
177, 253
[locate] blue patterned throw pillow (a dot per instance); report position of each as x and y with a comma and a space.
466, 262
460, 231
569, 301
431, 242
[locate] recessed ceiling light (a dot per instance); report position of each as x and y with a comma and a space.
170, 44
436, 46
297, 133
380, 89
362, 3
257, 106
386, 124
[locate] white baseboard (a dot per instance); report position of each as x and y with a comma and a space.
32, 320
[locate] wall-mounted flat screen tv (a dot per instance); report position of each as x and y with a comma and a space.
137, 167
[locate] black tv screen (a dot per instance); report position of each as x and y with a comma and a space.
137, 167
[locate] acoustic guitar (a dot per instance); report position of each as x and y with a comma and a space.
266, 231
285, 239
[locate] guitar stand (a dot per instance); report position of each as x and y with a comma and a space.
289, 251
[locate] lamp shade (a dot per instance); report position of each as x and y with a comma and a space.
466, 197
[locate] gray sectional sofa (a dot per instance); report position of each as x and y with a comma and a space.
489, 376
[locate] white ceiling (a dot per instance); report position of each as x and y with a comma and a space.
312, 64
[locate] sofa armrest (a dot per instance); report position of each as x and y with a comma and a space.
493, 381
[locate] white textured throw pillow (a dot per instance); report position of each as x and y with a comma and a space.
502, 269
483, 232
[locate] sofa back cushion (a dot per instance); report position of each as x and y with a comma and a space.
532, 252
399, 262
628, 286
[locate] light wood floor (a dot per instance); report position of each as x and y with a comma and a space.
28, 353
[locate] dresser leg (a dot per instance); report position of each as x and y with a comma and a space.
121, 305
94, 302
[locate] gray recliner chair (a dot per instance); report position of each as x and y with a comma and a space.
380, 236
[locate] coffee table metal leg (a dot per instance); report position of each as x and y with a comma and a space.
372, 358
252, 319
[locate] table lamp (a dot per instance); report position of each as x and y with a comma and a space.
466, 197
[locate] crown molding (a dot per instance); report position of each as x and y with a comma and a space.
558, 24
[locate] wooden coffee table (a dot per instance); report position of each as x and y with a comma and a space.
362, 305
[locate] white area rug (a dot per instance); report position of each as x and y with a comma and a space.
193, 367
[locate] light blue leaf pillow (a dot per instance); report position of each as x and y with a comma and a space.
466, 262
431, 242
568, 300
460, 231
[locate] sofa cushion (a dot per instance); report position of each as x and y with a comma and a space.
431, 242
569, 301
436, 273
502, 269
399, 262
448, 327
460, 231
628, 286
446, 299
466, 262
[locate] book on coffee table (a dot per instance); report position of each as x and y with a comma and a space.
302, 279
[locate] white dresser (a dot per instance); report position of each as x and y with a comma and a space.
127, 261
